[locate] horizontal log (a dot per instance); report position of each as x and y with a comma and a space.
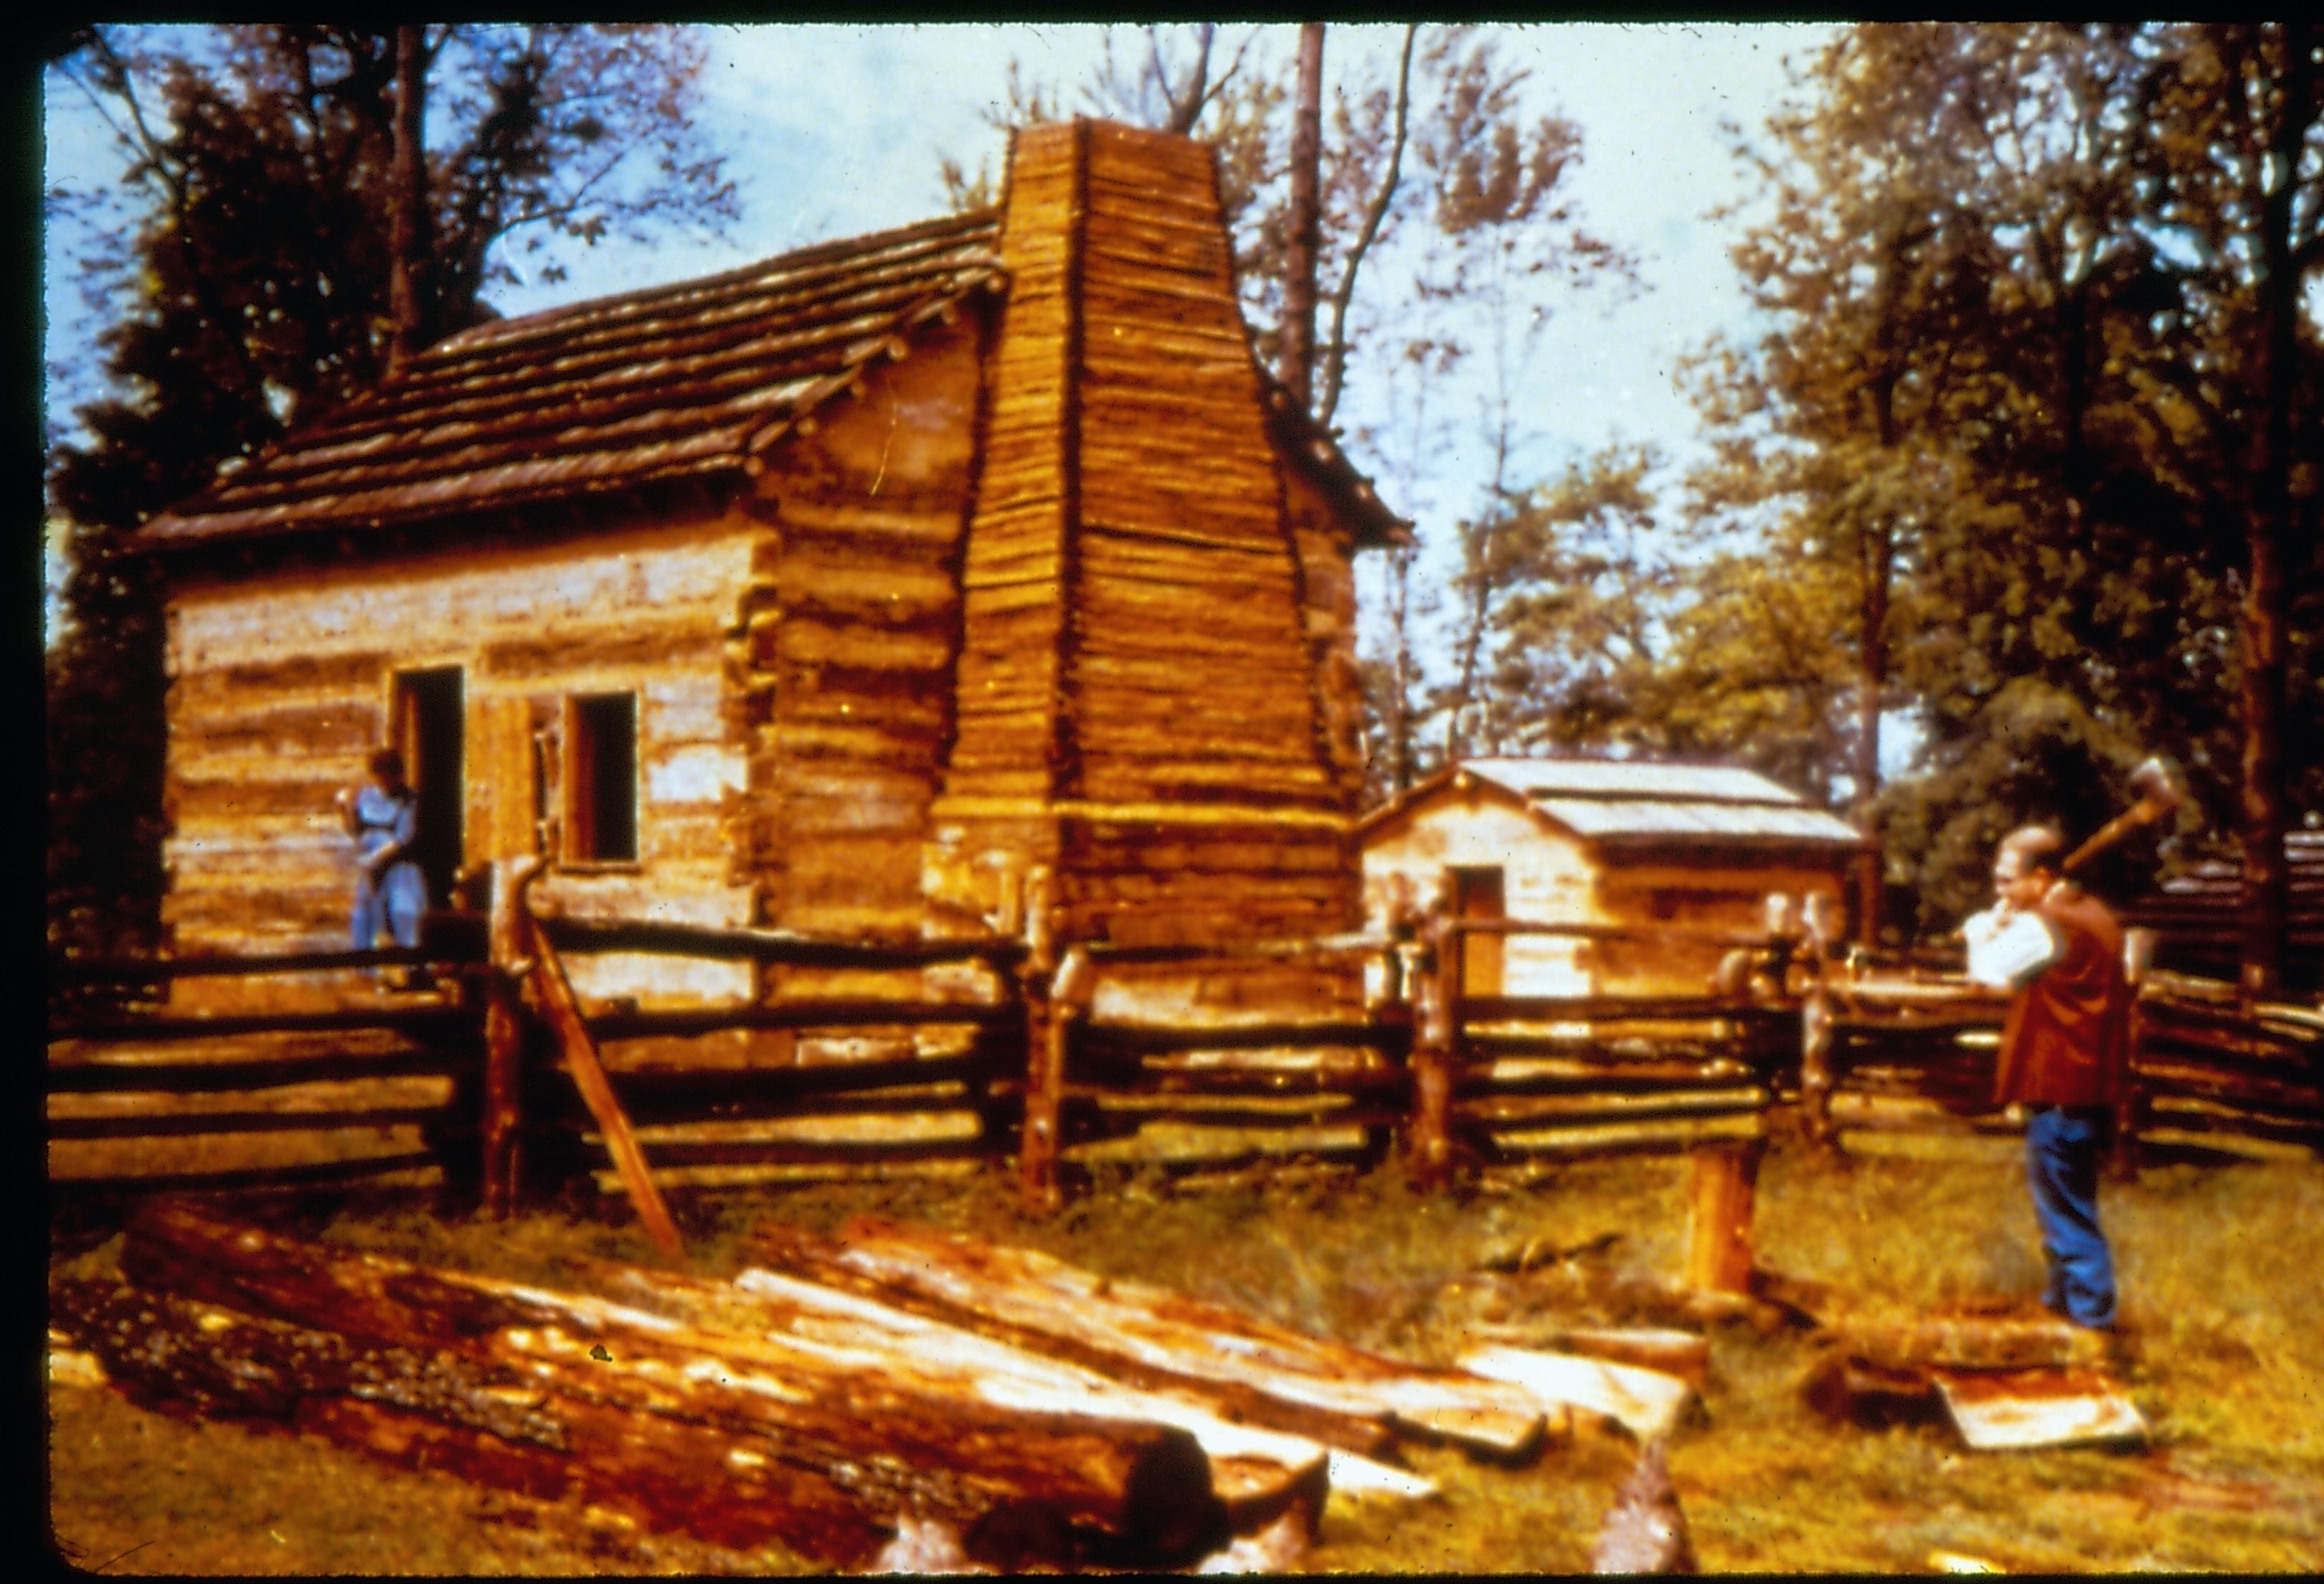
181, 1124
154, 970
680, 1021
675, 1087
1128, 1325
1228, 1082
89, 1078
222, 1179
1477, 1009
1139, 1109
1126, 1039
2161, 1077
895, 1445
1499, 1111
417, 1021
671, 1154
769, 946
1586, 1077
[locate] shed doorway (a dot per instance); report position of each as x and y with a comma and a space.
1477, 892
429, 707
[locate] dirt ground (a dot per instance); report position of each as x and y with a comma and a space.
2224, 1360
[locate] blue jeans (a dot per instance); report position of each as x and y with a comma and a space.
394, 904
2063, 1147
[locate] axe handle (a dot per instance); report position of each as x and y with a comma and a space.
2137, 817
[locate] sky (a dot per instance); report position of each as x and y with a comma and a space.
833, 130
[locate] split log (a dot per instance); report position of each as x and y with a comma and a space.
1685, 1355
1646, 1402
1044, 1484
1278, 1376
1258, 1473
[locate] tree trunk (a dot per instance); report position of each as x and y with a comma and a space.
1307, 219
2267, 879
409, 239
1018, 1485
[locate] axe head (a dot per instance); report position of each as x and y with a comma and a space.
2158, 787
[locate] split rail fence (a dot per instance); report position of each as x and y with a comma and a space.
996, 1049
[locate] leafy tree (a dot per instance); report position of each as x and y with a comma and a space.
2040, 374
245, 267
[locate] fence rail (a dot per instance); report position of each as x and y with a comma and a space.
474, 1081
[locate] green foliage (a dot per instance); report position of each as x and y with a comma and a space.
2016, 388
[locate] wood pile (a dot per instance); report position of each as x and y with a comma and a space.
893, 1393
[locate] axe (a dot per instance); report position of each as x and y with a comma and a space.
2159, 793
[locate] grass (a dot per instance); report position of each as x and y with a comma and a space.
2218, 1267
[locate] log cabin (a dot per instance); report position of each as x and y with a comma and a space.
839, 593
1596, 843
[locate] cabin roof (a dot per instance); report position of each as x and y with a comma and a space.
690, 380
1617, 803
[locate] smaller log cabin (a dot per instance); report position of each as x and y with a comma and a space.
1598, 842
840, 594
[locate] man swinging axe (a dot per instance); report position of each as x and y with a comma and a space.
2065, 1044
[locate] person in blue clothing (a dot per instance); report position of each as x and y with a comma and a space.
383, 816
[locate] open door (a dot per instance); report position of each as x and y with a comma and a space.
1477, 893
430, 708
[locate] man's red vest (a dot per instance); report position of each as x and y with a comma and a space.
2067, 1038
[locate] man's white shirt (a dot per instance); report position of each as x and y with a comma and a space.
2008, 949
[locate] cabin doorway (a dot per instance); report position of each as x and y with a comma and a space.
1477, 893
430, 708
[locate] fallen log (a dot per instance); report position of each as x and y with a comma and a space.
486, 1423
1276, 1376
1258, 1473
1017, 1484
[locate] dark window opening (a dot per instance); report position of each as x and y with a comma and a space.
601, 814
430, 716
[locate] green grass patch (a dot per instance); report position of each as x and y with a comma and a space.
2217, 1263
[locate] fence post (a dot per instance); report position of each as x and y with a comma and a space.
1815, 1055
1052, 1010
502, 1127
2130, 1102
1718, 1253
1435, 1042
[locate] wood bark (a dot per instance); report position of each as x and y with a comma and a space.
1151, 1337
1019, 1485
1719, 1256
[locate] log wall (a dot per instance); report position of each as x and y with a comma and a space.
281, 684
841, 676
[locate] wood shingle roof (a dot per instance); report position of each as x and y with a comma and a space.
690, 379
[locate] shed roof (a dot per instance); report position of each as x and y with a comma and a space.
690, 380
1626, 802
